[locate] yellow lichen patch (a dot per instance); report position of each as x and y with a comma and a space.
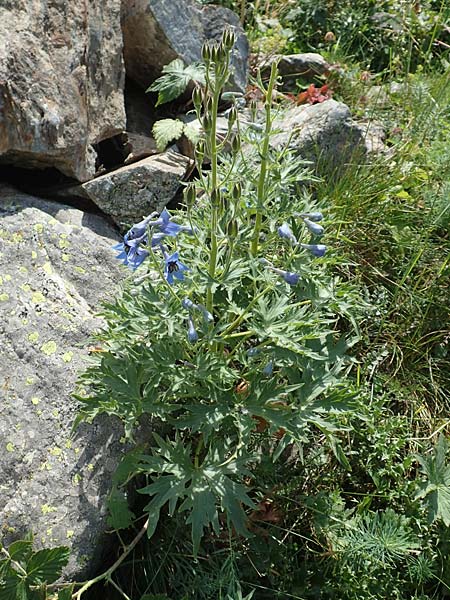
1, 280
25, 287
47, 268
65, 257
49, 348
67, 356
33, 337
38, 227
63, 242
79, 269
23, 270
8, 277
68, 444
17, 237
35, 400
70, 533
76, 479
46, 509
33, 254
37, 297
10, 447
56, 451
29, 381
55, 413
4, 297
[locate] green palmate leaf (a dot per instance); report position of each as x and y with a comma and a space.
197, 488
437, 487
120, 516
175, 79
167, 130
45, 566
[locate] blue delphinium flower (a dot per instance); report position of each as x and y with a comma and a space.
285, 232
189, 305
251, 352
312, 216
313, 227
289, 277
173, 268
131, 256
316, 249
268, 369
192, 334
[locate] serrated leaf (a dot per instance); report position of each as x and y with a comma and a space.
9, 586
20, 550
192, 132
166, 130
175, 79
45, 566
66, 593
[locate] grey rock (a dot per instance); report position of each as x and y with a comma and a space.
61, 82
56, 265
139, 147
294, 66
155, 32
323, 133
136, 190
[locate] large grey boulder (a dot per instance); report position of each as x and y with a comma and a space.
56, 265
325, 134
155, 32
134, 191
61, 82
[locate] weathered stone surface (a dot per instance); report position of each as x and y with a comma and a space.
155, 32
61, 82
56, 265
323, 133
139, 147
293, 66
136, 190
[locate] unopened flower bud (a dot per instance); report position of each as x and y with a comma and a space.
228, 39
215, 197
206, 122
236, 191
190, 195
236, 144
197, 97
206, 52
232, 228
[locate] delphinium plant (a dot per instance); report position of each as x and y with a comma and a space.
226, 335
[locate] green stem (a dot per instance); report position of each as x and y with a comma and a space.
107, 574
214, 208
264, 162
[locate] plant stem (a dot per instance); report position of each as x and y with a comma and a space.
214, 207
107, 574
264, 161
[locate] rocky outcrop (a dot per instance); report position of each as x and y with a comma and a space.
56, 265
134, 191
155, 32
296, 66
61, 82
326, 134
